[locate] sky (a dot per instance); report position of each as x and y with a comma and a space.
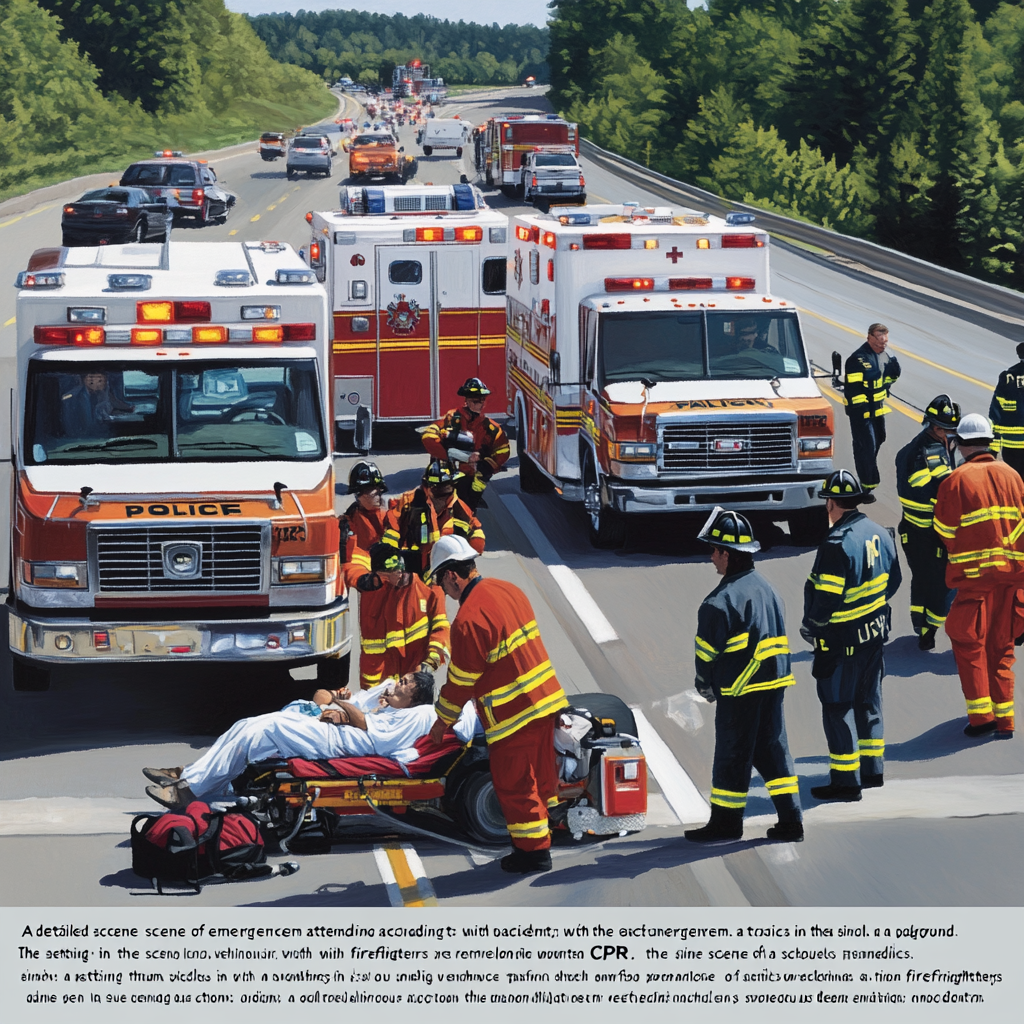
523, 12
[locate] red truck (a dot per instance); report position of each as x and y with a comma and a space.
503, 145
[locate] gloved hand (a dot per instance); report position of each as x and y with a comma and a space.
807, 635
706, 692
368, 581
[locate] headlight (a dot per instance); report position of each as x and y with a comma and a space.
815, 444
55, 575
305, 570
629, 451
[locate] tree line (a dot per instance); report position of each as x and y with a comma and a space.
87, 85
367, 47
900, 121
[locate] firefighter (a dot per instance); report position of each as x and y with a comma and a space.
418, 519
468, 431
978, 516
363, 520
498, 659
403, 625
846, 619
870, 372
920, 468
1007, 413
742, 658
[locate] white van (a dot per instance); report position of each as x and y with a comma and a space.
445, 133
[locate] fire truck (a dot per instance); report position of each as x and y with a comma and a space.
678, 382
413, 79
502, 145
174, 484
416, 279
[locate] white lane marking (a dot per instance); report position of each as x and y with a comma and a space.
70, 816
568, 582
659, 812
682, 795
403, 875
380, 855
717, 882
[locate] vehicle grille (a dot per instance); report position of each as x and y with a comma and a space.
435, 203
131, 560
763, 447
406, 203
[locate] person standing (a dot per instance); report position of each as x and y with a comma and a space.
846, 619
742, 659
921, 466
1007, 413
363, 519
870, 372
468, 432
978, 515
499, 660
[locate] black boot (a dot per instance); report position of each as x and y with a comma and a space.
526, 862
787, 832
725, 826
871, 781
926, 640
848, 794
980, 730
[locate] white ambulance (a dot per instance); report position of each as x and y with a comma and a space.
174, 481
650, 369
416, 279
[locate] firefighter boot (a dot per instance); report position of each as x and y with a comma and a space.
725, 826
526, 862
926, 639
787, 832
848, 794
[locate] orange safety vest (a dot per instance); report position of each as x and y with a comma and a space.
498, 659
978, 515
488, 439
415, 526
367, 528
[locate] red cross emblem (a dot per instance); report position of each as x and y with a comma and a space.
674, 255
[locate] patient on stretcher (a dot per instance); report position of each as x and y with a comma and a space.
385, 720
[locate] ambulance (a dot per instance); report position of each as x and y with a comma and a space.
651, 369
416, 280
174, 483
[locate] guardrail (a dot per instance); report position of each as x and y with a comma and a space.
999, 301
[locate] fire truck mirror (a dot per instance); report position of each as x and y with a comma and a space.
463, 180
362, 436
837, 364
556, 367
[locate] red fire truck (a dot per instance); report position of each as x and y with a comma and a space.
502, 145
416, 279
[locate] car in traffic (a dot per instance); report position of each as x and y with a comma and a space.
330, 131
272, 145
552, 176
378, 155
190, 186
309, 153
105, 216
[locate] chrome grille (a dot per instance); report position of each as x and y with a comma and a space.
131, 559
737, 447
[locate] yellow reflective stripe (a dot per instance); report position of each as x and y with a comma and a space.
728, 798
736, 643
771, 647
528, 829
446, 710
523, 684
830, 584
777, 787
871, 748
918, 521
944, 530
1015, 534
920, 479
704, 650
923, 506
1007, 404
765, 684
460, 677
857, 399
548, 706
979, 706
984, 515
934, 619
395, 638
880, 582
844, 762
361, 558
391, 537
854, 378
514, 641
1009, 430
850, 614
974, 556
1004, 710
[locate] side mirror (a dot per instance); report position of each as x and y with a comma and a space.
556, 367
362, 436
401, 149
837, 368
463, 180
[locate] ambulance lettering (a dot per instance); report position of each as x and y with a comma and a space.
223, 508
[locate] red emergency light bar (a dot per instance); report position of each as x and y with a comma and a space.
550, 239
689, 284
742, 242
629, 284
187, 312
85, 337
430, 234
743, 284
88, 337
619, 240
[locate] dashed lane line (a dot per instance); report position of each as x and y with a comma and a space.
13, 320
404, 876
252, 220
600, 629
233, 231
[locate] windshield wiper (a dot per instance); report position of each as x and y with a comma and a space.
116, 443
228, 445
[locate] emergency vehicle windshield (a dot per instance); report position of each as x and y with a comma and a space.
373, 140
700, 345
106, 411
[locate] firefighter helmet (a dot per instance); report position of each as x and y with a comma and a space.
473, 388
729, 530
386, 558
943, 412
365, 476
449, 550
843, 485
1020, 350
441, 472
974, 429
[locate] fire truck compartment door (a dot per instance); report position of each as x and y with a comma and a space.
406, 334
458, 322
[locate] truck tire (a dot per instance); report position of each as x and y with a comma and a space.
531, 479
332, 673
427, 150
479, 812
488, 179
809, 527
27, 676
605, 527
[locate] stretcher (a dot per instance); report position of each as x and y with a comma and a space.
304, 806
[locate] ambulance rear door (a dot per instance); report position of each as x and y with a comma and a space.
457, 307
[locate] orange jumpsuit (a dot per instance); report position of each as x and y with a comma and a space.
498, 660
366, 529
978, 515
400, 628
415, 526
488, 439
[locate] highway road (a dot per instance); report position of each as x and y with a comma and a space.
951, 811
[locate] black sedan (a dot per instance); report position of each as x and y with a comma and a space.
111, 215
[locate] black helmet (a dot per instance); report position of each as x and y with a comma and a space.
474, 388
942, 411
729, 530
365, 476
386, 558
842, 484
439, 472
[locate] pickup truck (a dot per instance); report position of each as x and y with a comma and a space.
553, 177
377, 155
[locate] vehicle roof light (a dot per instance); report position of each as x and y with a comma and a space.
523, 234
87, 314
295, 277
40, 279
84, 337
736, 219
703, 243
745, 284
147, 336
650, 243
741, 242
261, 312
690, 284
574, 218
629, 284
475, 234
430, 234
608, 240
550, 239
300, 332
267, 335
167, 312
168, 152
129, 282
154, 312
232, 279
209, 335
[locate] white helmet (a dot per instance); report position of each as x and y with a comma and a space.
449, 549
974, 429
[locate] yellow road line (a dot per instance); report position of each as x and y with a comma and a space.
283, 198
272, 206
408, 884
7, 323
902, 351
252, 220
8, 223
41, 210
233, 231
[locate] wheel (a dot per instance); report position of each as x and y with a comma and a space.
606, 528
427, 150
809, 526
332, 673
291, 173
139, 234
531, 479
27, 676
479, 812
458, 151
488, 178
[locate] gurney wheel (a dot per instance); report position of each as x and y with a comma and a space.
479, 811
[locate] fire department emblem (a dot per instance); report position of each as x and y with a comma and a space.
517, 272
403, 315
